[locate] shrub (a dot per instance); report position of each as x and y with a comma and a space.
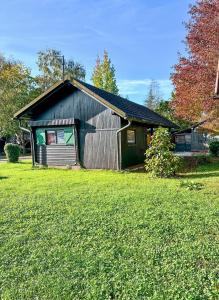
12, 152
214, 148
160, 160
191, 185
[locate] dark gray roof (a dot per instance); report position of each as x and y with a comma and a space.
123, 107
131, 109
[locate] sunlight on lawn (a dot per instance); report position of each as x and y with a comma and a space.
107, 235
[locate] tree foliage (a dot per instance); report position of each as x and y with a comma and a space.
160, 160
50, 65
104, 75
214, 148
194, 75
153, 97
164, 108
17, 88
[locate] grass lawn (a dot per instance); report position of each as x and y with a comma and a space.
106, 235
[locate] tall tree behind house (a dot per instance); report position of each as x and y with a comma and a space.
50, 65
153, 97
104, 75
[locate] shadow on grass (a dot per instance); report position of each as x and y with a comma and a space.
3, 177
203, 171
199, 175
25, 162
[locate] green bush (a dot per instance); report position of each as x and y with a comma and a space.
160, 160
12, 152
214, 148
191, 185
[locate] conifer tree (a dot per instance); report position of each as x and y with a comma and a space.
97, 74
153, 97
104, 75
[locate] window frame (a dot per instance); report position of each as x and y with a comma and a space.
131, 143
56, 137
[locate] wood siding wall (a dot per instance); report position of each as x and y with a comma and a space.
96, 132
56, 155
133, 154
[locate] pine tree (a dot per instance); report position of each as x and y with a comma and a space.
150, 102
153, 97
97, 74
104, 75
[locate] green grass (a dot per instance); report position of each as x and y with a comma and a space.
106, 235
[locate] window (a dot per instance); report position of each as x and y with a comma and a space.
180, 139
55, 137
188, 138
60, 136
51, 137
131, 139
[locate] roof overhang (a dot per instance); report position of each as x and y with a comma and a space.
151, 123
40, 99
57, 87
55, 122
98, 98
21, 114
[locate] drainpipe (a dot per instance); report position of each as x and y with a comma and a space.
31, 141
118, 148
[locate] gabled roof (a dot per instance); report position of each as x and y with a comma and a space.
123, 107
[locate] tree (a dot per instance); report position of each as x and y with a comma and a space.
165, 109
194, 75
160, 160
50, 65
104, 75
154, 96
17, 88
74, 69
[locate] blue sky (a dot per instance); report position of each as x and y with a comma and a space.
141, 36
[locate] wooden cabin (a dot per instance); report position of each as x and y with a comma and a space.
77, 124
193, 139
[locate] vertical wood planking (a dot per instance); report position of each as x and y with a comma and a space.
96, 132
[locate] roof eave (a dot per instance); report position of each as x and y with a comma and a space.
151, 122
98, 98
38, 99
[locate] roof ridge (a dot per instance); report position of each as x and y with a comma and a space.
125, 99
123, 107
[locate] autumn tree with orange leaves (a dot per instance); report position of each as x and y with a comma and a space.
194, 75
